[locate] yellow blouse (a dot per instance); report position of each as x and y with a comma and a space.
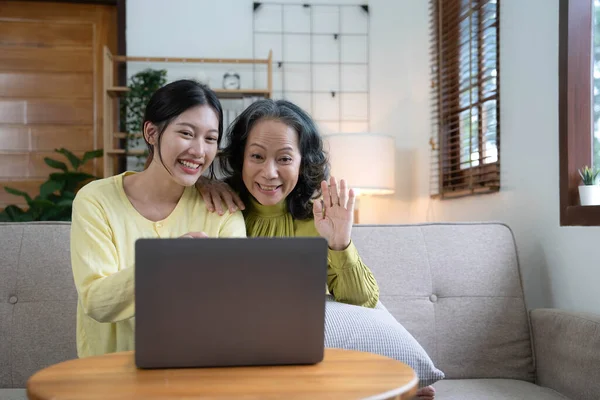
104, 228
349, 280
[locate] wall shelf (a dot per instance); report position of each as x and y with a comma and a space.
123, 152
117, 91
241, 93
113, 138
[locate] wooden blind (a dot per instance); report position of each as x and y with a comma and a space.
465, 76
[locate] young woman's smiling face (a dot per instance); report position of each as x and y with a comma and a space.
271, 161
188, 145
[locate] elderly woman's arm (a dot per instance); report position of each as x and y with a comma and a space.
349, 280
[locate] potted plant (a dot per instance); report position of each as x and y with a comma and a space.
589, 191
54, 203
141, 88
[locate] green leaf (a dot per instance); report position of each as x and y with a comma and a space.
68, 195
75, 179
65, 215
27, 217
18, 193
42, 204
65, 203
49, 187
54, 198
56, 213
91, 154
80, 176
4, 217
14, 213
56, 164
59, 176
73, 159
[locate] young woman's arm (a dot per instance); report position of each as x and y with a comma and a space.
106, 289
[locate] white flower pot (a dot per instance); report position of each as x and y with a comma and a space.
589, 195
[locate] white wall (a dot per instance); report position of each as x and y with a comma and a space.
399, 100
560, 265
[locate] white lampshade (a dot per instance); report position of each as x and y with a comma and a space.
365, 160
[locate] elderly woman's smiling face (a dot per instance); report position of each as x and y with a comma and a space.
271, 161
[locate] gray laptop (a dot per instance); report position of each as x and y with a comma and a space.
229, 302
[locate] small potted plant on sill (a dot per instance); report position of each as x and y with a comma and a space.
589, 191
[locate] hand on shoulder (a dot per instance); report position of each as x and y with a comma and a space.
215, 193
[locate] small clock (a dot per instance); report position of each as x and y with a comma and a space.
231, 80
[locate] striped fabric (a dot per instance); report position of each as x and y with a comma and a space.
376, 331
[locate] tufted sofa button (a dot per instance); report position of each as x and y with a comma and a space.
433, 298
13, 299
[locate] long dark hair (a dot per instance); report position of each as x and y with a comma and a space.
314, 165
173, 99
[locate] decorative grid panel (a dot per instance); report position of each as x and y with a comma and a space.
320, 60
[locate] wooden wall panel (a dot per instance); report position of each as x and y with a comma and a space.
50, 86
30, 186
45, 137
15, 137
14, 165
12, 112
47, 84
51, 12
77, 138
53, 34
54, 59
55, 111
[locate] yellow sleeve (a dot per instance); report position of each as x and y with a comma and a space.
349, 279
106, 292
233, 226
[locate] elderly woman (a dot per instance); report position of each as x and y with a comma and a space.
274, 160
276, 170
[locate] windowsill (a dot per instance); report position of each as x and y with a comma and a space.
581, 216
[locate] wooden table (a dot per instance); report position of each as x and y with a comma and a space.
343, 374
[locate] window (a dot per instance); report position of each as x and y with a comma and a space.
596, 88
465, 97
579, 105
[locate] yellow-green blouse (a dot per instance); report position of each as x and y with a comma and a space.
349, 280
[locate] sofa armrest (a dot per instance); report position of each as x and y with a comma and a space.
567, 351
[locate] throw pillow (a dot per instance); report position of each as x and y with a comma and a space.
375, 330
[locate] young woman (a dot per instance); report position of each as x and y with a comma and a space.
182, 128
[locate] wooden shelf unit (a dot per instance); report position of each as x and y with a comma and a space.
111, 94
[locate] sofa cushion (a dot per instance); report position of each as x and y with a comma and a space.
13, 394
456, 287
376, 331
493, 389
38, 300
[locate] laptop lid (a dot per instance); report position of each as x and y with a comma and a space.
229, 301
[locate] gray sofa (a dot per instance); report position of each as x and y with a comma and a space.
455, 287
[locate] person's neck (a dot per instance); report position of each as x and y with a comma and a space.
154, 184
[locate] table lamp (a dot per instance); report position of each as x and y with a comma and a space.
365, 160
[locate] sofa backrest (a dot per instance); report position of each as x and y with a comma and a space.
38, 300
455, 287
